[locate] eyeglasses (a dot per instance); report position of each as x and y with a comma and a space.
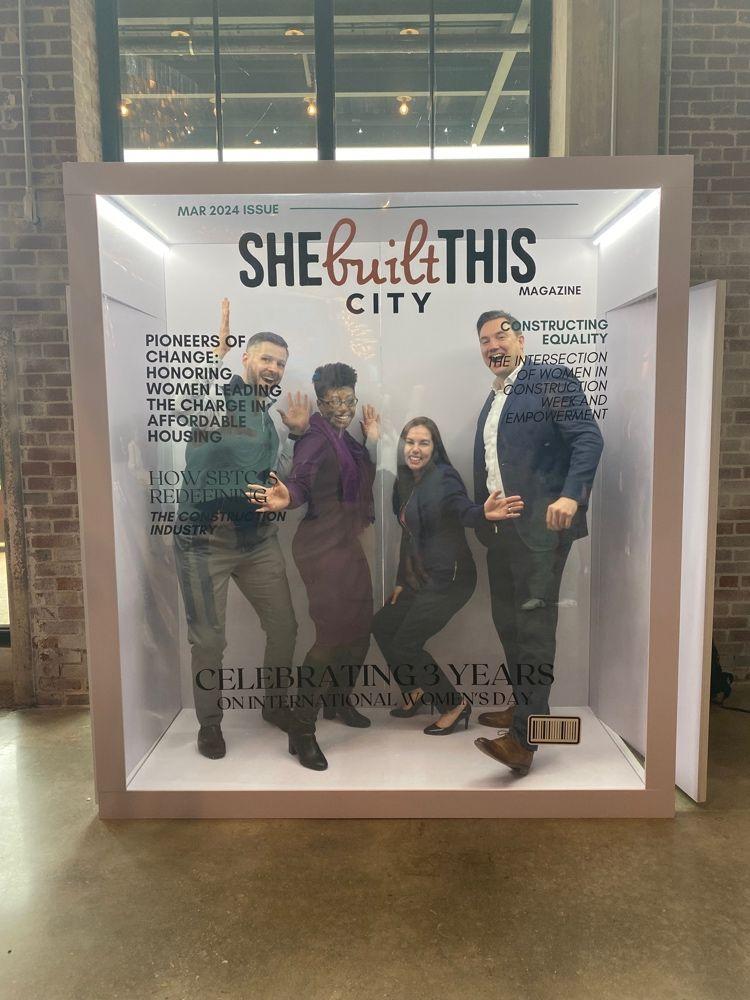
339, 402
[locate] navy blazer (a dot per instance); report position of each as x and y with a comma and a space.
549, 446
435, 516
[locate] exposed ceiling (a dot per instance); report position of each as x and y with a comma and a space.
268, 73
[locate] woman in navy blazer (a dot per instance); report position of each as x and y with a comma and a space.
436, 572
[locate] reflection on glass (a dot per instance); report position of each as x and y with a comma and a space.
482, 79
546, 398
167, 79
382, 81
268, 82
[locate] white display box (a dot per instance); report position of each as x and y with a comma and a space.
154, 248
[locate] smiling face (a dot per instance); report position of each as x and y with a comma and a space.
418, 448
264, 364
501, 347
338, 407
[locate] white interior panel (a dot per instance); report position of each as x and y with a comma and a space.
698, 538
148, 599
621, 542
130, 272
628, 263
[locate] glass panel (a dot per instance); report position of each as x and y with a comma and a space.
482, 79
268, 82
167, 81
382, 80
507, 340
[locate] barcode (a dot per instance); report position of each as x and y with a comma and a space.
553, 729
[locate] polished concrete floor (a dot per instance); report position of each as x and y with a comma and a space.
367, 910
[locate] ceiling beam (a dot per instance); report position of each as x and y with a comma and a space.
301, 95
292, 21
520, 27
345, 45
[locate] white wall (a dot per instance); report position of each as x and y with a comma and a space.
628, 266
702, 419
133, 304
621, 544
621, 539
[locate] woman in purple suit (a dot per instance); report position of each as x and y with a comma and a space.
333, 474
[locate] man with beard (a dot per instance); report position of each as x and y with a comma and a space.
536, 437
230, 540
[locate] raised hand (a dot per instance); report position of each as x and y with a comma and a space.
370, 423
223, 347
269, 498
498, 507
296, 416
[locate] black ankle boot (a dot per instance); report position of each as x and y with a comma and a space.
348, 715
305, 746
210, 742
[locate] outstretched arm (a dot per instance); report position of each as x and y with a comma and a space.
268, 498
496, 508
499, 508
223, 347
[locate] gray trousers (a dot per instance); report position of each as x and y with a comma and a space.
204, 572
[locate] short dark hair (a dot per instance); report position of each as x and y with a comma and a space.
267, 338
491, 314
334, 376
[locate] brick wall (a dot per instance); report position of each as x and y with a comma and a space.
64, 125
710, 118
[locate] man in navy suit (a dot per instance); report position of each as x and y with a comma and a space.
537, 438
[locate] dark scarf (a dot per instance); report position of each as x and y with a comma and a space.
352, 460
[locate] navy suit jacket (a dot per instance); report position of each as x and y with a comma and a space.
549, 446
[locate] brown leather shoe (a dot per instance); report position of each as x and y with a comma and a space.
498, 720
507, 750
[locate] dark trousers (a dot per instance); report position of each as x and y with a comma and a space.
524, 589
403, 628
330, 673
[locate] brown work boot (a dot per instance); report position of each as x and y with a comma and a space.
498, 720
507, 750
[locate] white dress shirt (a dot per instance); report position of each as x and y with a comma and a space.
501, 388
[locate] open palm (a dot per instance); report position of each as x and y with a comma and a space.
498, 507
370, 423
269, 498
296, 415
